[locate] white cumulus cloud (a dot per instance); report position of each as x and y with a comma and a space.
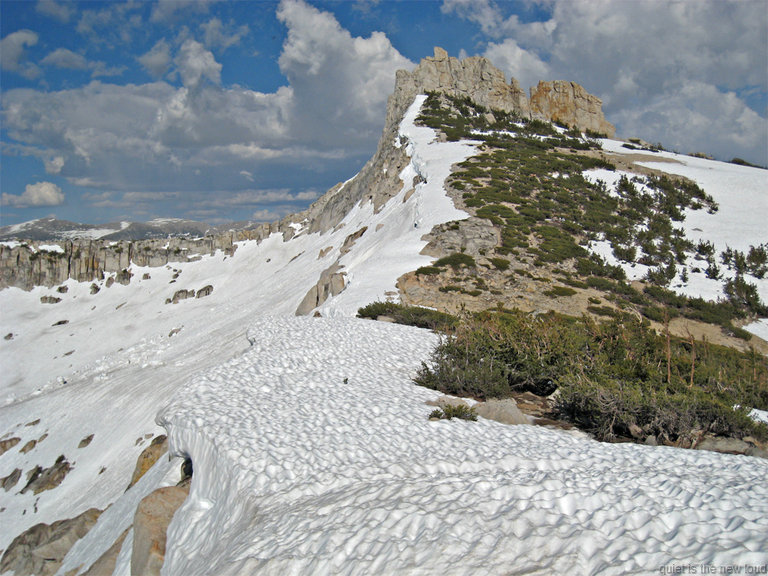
202, 136
158, 60
216, 35
13, 53
335, 76
655, 64
39, 194
64, 58
516, 62
61, 12
195, 63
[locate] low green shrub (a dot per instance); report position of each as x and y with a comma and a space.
409, 315
500, 263
559, 291
448, 411
428, 271
455, 260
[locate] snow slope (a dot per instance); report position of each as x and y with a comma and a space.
312, 449
314, 455
123, 351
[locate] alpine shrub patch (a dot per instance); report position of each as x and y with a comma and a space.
616, 378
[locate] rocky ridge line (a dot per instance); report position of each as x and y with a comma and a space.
27, 265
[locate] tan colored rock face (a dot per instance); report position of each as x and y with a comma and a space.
568, 103
150, 524
148, 457
475, 78
478, 79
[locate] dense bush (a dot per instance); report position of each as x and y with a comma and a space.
615, 378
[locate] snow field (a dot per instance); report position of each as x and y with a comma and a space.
124, 351
298, 471
313, 454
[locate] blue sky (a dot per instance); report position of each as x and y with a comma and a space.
225, 111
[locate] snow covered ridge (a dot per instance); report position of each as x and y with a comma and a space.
86, 359
313, 454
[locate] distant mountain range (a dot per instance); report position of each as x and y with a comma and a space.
51, 229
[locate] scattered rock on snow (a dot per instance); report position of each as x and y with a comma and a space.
8, 443
85, 441
49, 300
204, 291
180, 295
11, 480
28, 446
41, 479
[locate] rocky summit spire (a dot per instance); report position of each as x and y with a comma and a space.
479, 80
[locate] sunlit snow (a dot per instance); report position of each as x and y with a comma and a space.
311, 445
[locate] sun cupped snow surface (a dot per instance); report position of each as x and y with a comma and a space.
313, 454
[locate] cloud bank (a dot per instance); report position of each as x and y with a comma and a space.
39, 194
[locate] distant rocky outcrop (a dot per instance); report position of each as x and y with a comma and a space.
475, 78
479, 80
